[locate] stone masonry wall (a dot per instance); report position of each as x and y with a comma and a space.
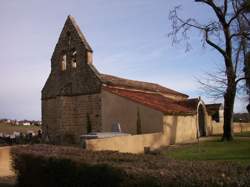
80, 79
66, 117
72, 90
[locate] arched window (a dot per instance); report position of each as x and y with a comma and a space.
64, 62
73, 60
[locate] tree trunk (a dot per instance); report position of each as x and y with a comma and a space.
229, 98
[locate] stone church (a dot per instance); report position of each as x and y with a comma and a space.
77, 99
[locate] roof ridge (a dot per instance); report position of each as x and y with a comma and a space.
135, 90
127, 79
161, 89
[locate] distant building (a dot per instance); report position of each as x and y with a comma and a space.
76, 96
25, 123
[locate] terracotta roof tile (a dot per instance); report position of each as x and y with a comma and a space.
212, 108
139, 85
190, 103
152, 100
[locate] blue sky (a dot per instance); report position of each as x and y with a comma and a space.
129, 39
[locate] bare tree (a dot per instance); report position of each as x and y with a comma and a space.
229, 35
247, 74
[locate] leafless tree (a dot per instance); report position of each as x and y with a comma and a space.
229, 35
247, 74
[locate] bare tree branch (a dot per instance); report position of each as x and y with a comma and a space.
225, 7
237, 13
216, 9
214, 45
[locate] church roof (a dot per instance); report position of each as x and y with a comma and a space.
190, 103
152, 100
212, 108
138, 85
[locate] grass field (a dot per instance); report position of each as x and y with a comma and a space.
9, 129
236, 151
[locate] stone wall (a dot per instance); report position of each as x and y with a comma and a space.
217, 128
116, 109
184, 131
241, 127
180, 128
65, 118
74, 80
50, 126
177, 129
72, 89
129, 143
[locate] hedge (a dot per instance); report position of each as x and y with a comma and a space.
47, 165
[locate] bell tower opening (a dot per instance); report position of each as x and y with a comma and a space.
64, 62
73, 59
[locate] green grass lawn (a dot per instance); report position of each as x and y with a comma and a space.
236, 151
9, 129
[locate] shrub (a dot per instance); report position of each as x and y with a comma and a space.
46, 165
40, 171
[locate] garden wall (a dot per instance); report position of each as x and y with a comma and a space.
176, 129
241, 127
130, 143
217, 128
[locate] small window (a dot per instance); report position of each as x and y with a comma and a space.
64, 62
73, 61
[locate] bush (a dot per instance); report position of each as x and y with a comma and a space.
45, 165
39, 171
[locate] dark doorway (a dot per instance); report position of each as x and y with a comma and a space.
201, 116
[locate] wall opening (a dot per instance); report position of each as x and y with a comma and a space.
89, 57
64, 62
216, 116
201, 121
73, 59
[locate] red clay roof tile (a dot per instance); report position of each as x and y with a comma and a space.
152, 100
139, 85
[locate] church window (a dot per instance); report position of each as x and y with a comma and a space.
64, 62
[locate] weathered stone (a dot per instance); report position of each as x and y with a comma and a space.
73, 92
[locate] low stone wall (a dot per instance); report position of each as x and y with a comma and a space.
180, 129
129, 143
217, 128
5, 162
138, 143
176, 129
241, 127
